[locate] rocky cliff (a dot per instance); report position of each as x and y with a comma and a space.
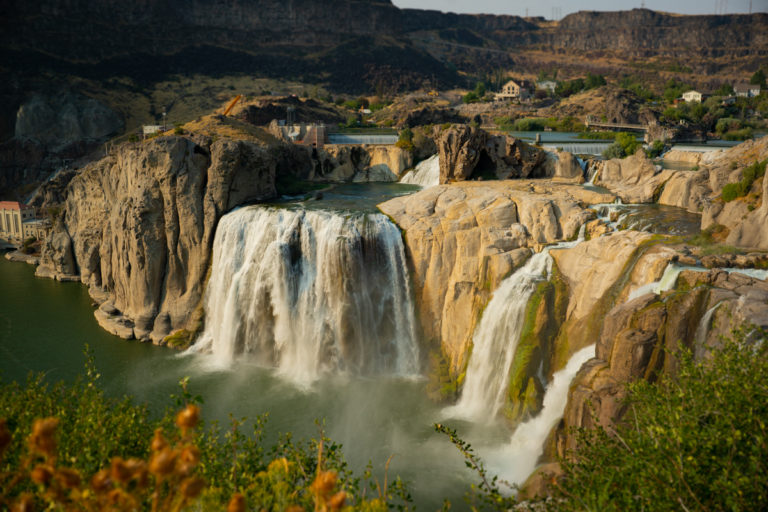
138, 226
463, 239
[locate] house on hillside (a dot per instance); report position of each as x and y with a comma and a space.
692, 96
515, 90
745, 90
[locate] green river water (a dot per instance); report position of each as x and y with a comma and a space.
45, 325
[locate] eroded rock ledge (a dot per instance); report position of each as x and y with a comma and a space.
137, 227
463, 239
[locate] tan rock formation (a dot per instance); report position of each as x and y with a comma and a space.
138, 227
361, 163
463, 239
639, 340
467, 152
634, 179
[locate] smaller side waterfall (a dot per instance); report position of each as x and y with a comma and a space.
666, 283
495, 339
426, 174
516, 461
702, 330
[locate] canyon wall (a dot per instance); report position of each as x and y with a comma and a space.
137, 227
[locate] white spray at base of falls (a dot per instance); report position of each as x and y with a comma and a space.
310, 292
495, 339
517, 460
426, 174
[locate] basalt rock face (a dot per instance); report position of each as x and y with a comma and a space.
641, 33
463, 239
138, 227
640, 338
50, 131
470, 153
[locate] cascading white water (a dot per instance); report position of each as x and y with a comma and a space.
495, 339
517, 460
666, 283
578, 148
309, 292
426, 174
702, 330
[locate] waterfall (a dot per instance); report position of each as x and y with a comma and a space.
578, 148
426, 174
310, 292
700, 338
666, 283
495, 339
591, 171
517, 460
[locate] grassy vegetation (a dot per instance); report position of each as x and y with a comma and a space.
751, 173
625, 144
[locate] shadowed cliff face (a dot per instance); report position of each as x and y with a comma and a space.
348, 44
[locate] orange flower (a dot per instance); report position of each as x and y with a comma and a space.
337, 500
68, 478
189, 417
100, 482
42, 438
192, 487
162, 462
120, 471
158, 442
324, 483
237, 503
42, 474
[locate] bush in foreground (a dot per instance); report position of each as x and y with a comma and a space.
694, 442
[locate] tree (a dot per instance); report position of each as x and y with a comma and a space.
758, 78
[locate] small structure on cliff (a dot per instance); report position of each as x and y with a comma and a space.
13, 215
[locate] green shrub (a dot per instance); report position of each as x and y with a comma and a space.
748, 176
695, 441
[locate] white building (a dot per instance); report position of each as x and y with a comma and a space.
747, 90
692, 96
13, 215
514, 90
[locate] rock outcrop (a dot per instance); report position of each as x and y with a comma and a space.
360, 163
463, 239
634, 179
640, 338
470, 153
744, 218
138, 227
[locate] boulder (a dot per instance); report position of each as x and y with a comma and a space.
634, 179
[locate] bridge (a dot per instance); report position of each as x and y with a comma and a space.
593, 122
